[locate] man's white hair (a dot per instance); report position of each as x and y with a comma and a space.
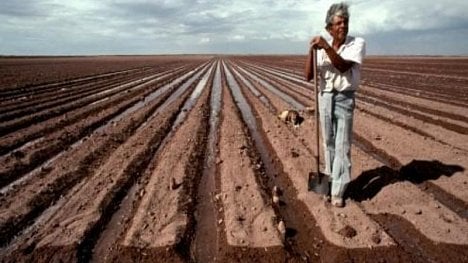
340, 9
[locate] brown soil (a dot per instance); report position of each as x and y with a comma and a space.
183, 159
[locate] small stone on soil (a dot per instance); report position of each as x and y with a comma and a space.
240, 219
376, 238
282, 228
174, 184
418, 212
294, 154
275, 199
447, 218
348, 232
342, 215
275, 189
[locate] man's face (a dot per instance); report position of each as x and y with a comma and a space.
339, 28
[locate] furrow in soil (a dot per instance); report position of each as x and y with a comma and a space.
161, 224
249, 221
47, 150
27, 198
329, 226
205, 244
72, 232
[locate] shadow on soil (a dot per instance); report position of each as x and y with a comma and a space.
369, 183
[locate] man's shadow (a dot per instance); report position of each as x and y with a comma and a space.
369, 183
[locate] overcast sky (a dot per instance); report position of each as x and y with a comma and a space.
88, 27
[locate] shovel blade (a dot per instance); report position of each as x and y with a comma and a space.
319, 183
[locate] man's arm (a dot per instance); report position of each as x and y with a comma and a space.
337, 61
342, 65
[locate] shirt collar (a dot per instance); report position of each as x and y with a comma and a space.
348, 41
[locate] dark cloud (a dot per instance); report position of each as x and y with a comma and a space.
219, 26
139, 10
418, 42
182, 18
197, 23
24, 8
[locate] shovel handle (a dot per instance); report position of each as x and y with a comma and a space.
317, 161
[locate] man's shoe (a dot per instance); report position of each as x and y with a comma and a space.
337, 201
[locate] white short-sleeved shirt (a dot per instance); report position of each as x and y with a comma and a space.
331, 78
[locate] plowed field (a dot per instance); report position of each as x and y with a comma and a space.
178, 158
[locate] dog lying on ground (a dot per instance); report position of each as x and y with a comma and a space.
291, 116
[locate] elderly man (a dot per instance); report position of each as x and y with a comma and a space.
338, 65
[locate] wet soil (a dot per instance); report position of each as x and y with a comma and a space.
184, 159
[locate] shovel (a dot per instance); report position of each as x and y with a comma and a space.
318, 182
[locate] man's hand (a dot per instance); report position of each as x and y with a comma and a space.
318, 42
